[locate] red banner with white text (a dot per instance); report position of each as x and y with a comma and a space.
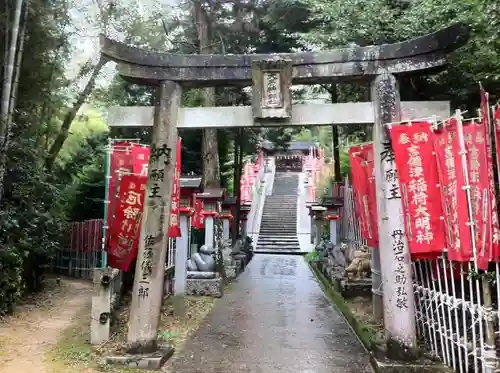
140, 159
420, 193
495, 224
198, 218
453, 193
119, 163
125, 231
360, 188
475, 138
174, 229
369, 164
361, 158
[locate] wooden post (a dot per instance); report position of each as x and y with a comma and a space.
209, 231
148, 284
181, 256
399, 304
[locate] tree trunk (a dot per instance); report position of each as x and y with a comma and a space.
7, 92
210, 148
17, 72
335, 138
71, 114
9, 72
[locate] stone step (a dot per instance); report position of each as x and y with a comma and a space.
271, 232
279, 251
282, 239
279, 223
282, 206
273, 246
288, 241
280, 215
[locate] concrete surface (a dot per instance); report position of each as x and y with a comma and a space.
274, 318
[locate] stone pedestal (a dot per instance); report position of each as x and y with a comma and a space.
213, 287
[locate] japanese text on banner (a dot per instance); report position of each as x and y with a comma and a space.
140, 159
124, 242
477, 162
120, 163
174, 227
496, 233
369, 166
453, 194
360, 188
418, 178
495, 224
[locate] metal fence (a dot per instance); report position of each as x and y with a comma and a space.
83, 251
457, 310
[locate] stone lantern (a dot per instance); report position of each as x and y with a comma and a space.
212, 198
244, 211
226, 215
333, 206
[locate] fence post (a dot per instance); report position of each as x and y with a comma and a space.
107, 285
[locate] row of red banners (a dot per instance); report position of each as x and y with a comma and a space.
447, 188
126, 198
250, 173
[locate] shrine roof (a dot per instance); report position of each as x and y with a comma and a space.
292, 145
190, 181
210, 193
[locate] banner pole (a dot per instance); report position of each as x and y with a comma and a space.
107, 165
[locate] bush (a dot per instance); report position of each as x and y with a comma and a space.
32, 222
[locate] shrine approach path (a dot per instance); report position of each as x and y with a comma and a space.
274, 318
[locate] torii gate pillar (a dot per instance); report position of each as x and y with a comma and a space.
399, 304
147, 294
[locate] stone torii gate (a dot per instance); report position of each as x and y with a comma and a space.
271, 77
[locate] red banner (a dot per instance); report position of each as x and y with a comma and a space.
369, 165
140, 159
496, 232
363, 183
198, 218
420, 193
119, 163
495, 226
174, 229
453, 194
125, 231
477, 163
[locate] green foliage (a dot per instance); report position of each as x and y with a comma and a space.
32, 222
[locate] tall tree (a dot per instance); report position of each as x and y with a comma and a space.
210, 152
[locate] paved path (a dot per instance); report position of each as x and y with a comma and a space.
273, 319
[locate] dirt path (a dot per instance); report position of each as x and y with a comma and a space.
26, 337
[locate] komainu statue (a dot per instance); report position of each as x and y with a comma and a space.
202, 264
360, 267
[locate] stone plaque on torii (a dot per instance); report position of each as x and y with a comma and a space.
272, 75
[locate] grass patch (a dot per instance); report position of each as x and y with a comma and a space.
73, 353
368, 334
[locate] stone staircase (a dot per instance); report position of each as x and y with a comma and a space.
278, 227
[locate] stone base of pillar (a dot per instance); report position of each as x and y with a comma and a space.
383, 365
212, 287
232, 271
154, 360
